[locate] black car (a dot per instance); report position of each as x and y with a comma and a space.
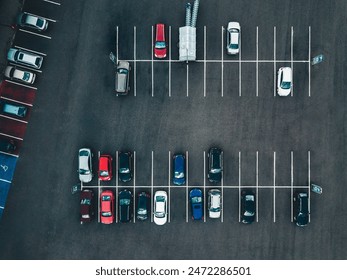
247, 206
215, 165
7, 145
142, 210
86, 206
301, 213
124, 166
125, 206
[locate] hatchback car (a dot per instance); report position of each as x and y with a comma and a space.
247, 207
160, 43
160, 207
124, 166
284, 81
85, 165
86, 206
107, 207
214, 203
233, 38
301, 213
125, 206
14, 109
32, 21
215, 165
122, 86
19, 75
25, 58
7, 145
142, 206
179, 170
197, 204
105, 168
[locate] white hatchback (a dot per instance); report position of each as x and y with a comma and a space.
85, 165
214, 203
160, 207
284, 81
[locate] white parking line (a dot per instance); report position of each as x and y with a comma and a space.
187, 80
7, 117
257, 186
8, 135
25, 67
30, 50
309, 61
239, 186
205, 187
20, 102
222, 65
99, 192
204, 61
117, 54
220, 61
225, 187
116, 187
309, 184
17, 156
240, 70
52, 2
33, 33
291, 57
291, 184
274, 189
152, 65
134, 196
222, 185
274, 61
257, 62
187, 184
3, 180
152, 188
169, 61
134, 60
169, 184
23, 85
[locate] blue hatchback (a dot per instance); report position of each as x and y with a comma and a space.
196, 202
179, 170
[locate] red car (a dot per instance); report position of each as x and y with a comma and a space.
107, 207
86, 206
160, 44
105, 168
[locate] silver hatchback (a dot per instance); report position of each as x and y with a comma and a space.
122, 86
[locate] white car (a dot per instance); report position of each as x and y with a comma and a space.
23, 76
160, 207
85, 165
25, 58
233, 38
32, 21
214, 203
284, 81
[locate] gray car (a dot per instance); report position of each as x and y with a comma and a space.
122, 86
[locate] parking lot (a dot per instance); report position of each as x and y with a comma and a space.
272, 145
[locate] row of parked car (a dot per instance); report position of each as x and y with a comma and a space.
105, 172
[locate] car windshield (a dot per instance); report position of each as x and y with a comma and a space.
234, 46
215, 170
39, 22
124, 170
215, 209
20, 56
248, 213
106, 214
84, 172
85, 216
160, 45
196, 199
84, 153
103, 173
124, 201
106, 198
285, 85
160, 214
26, 76
122, 71
179, 174
86, 201
142, 211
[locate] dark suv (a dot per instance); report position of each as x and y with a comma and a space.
142, 210
7, 145
247, 206
125, 206
301, 214
124, 166
215, 165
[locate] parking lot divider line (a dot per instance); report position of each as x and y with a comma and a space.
257, 66
8, 135
205, 187
152, 65
117, 53
291, 57
240, 69
7, 117
134, 196
17, 101
169, 61
169, 184
117, 186
274, 61
36, 52
152, 188
222, 187
187, 79
274, 189
309, 61
22, 85
187, 184
17, 156
257, 184
222, 64
204, 61
309, 184
239, 186
52, 2
291, 184
135, 60
33, 33
7, 181
99, 192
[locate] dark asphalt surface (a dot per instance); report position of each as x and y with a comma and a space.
75, 107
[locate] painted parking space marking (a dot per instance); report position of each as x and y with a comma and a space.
134, 60
29, 50
19, 84
10, 118
52, 2
36, 34
17, 101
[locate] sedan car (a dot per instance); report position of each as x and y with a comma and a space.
142, 206
25, 58
32, 21
160, 43
214, 203
125, 206
124, 166
160, 207
7, 145
85, 165
122, 86
105, 168
196, 202
284, 81
13, 109
215, 165
86, 206
107, 207
247, 207
179, 170
19, 75
233, 38
301, 213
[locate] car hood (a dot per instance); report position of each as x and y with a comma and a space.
11, 53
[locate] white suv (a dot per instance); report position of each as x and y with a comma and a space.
23, 76
25, 58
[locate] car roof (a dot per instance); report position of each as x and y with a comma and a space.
287, 73
103, 162
124, 159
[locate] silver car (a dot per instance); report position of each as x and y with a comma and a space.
122, 86
233, 38
85, 165
25, 58
32, 21
214, 203
19, 75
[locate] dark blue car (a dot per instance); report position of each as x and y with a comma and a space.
196, 201
179, 170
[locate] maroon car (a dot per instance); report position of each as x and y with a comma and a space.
86, 209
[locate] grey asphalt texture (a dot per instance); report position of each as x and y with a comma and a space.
75, 107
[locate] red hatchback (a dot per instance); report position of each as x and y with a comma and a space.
107, 207
105, 168
160, 43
